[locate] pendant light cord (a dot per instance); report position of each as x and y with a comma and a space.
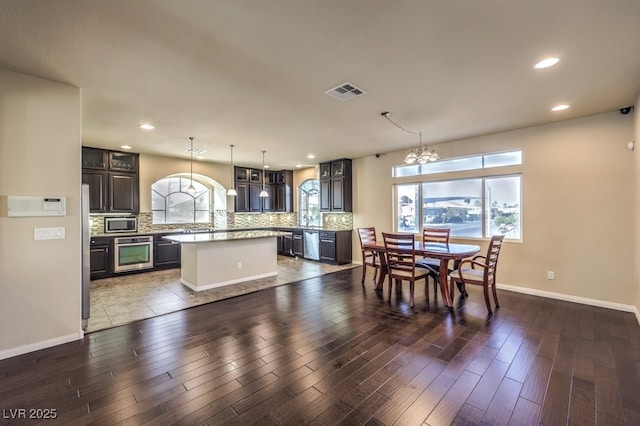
191, 159
386, 115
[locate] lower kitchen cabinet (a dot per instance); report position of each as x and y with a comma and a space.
285, 244
298, 243
100, 257
166, 254
335, 247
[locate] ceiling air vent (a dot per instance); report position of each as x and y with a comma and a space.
345, 92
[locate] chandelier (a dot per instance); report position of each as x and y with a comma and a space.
417, 155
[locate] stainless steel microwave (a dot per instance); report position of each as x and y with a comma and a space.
120, 224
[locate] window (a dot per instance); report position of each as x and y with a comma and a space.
485, 161
309, 203
171, 203
474, 207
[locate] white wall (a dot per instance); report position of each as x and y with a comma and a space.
578, 197
40, 281
636, 197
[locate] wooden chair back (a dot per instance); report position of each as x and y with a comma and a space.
401, 261
491, 260
400, 252
369, 257
367, 235
481, 271
436, 235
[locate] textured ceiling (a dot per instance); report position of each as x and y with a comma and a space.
253, 73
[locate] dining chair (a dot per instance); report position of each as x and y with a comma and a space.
369, 257
401, 262
433, 235
480, 270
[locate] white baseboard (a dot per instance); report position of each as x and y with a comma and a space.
571, 298
202, 287
20, 350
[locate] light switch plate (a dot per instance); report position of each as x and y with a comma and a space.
48, 233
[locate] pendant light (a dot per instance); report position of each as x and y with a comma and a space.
191, 189
263, 193
232, 190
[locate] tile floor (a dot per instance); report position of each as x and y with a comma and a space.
128, 298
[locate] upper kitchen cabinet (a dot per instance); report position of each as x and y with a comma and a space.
113, 180
336, 186
278, 184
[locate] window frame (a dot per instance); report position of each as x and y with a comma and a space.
484, 174
302, 210
193, 197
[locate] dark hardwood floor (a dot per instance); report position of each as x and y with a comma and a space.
328, 350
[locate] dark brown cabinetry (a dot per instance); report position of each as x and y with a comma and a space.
298, 243
248, 184
336, 186
100, 257
335, 247
113, 180
284, 191
285, 243
166, 254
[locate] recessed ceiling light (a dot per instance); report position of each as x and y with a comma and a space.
199, 157
546, 63
561, 107
298, 165
125, 147
147, 126
311, 156
266, 166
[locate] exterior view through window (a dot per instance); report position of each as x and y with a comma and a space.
309, 203
171, 203
473, 208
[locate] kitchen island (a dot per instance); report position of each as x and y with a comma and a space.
210, 260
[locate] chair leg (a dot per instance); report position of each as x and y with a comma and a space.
495, 295
390, 285
486, 298
451, 293
426, 287
462, 290
411, 293
375, 273
364, 272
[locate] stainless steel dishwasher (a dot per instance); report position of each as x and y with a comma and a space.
312, 245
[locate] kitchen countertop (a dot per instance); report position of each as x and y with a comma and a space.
207, 237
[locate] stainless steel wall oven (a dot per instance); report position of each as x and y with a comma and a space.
132, 253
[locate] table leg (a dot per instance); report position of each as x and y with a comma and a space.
443, 273
383, 271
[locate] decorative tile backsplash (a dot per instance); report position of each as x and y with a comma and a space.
221, 219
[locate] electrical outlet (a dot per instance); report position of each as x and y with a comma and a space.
551, 275
239, 265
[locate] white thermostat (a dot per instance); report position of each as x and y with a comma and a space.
24, 205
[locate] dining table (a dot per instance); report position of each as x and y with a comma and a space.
444, 252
